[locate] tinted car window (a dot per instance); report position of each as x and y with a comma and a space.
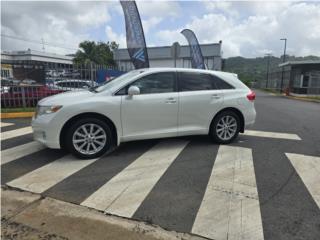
221, 84
195, 82
153, 83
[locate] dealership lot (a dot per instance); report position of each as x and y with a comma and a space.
263, 186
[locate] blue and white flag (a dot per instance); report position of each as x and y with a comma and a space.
136, 43
195, 50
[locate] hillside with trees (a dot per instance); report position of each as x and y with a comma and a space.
255, 69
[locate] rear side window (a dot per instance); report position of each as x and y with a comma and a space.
195, 82
221, 84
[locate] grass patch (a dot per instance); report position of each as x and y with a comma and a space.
275, 91
13, 110
309, 98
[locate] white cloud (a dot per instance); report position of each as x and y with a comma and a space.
150, 23
246, 28
118, 38
161, 9
62, 23
255, 28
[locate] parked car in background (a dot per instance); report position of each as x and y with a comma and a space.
9, 81
25, 96
28, 81
5, 89
145, 104
72, 84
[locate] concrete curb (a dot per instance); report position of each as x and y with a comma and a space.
291, 96
303, 99
16, 115
32, 214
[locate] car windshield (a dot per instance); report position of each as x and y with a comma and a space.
117, 80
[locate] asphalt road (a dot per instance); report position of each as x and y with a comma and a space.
182, 192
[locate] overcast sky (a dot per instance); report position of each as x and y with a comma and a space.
246, 29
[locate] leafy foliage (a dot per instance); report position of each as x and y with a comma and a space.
255, 69
98, 53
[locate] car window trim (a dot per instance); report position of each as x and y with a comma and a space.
174, 90
214, 76
210, 75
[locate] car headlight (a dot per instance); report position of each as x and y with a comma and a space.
41, 110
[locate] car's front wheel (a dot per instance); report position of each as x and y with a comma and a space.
225, 127
89, 138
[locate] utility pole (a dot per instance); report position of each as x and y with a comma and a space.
284, 59
42, 44
268, 65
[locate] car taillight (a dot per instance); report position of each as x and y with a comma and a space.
251, 96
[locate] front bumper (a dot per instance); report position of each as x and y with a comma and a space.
45, 131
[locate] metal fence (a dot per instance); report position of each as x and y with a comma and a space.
307, 83
24, 93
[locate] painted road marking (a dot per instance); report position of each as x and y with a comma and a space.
255, 133
4, 124
47, 176
230, 207
125, 192
308, 168
15, 133
14, 153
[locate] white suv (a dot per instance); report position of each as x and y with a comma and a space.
145, 104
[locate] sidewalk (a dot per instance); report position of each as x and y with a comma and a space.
29, 216
292, 96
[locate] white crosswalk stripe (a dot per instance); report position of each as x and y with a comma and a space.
308, 168
4, 124
15, 133
14, 153
124, 193
255, 133
45, 177
230, 207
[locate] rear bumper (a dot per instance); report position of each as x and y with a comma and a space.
249, 116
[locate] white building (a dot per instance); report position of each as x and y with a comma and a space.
161, 57
32, 56
31, 64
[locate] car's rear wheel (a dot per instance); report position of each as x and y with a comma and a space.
225, 127
89, 138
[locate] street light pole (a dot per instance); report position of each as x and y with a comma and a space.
268, 64
284, 59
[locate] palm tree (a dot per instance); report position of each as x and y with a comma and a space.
97, 53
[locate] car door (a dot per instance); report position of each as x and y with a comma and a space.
154, 112
199, 101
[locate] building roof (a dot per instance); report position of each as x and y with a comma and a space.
305, 62
164, 52
32, 55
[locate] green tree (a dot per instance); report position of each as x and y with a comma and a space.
98, 53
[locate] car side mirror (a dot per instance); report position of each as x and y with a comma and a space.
133, 90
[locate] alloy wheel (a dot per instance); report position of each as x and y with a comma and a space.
226, 127
89, 138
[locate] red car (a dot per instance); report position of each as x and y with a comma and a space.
25, 96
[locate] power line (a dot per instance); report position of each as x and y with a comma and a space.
38, 42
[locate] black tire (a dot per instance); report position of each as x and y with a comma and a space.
213, 128
69, 138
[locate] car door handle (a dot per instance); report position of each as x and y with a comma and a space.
171, 100
215, 96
